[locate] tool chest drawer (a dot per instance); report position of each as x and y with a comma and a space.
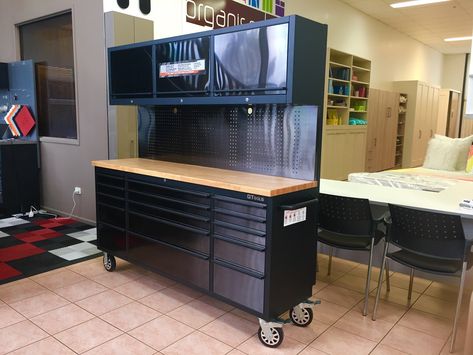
180, 235
245, 255
238, 286
176, 262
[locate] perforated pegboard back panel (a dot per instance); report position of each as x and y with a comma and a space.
277, 140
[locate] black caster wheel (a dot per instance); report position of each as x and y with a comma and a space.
273, 339
109, 262
301, 320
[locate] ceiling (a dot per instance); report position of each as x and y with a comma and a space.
429, 24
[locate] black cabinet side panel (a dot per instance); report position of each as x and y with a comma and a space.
291, 255
20, 177
310, 48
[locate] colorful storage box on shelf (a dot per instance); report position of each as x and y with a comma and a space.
357, 121
19, 120
333, 118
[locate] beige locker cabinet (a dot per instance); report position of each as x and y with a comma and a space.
382, 130
343, 151
420, 120
448, 121
123, 29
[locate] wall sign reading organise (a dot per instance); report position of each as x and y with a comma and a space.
188, 67
226, 13
294, 216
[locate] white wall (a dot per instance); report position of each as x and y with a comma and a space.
453, 71
169, 16
394, 56
67, 165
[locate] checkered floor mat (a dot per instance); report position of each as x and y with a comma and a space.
29, 246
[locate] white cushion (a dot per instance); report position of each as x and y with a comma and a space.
441, 155
463, 146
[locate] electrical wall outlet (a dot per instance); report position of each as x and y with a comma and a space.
77, 190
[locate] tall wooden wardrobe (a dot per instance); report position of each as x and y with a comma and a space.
421, 119
382, 130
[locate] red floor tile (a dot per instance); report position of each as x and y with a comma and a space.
34, 236
7, 271
52, 223
19, 251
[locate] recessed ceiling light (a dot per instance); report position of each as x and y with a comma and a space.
455, 39
397, 5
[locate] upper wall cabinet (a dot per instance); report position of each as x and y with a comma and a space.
280, 61
131, 73
252, 61
181, 67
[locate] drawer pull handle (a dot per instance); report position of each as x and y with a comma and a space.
171, 223
240, 228
99, 184
240, 202
172, 246
170, 199
111, 206
189, 192
238, 268
240, 243
171, 211
240, 215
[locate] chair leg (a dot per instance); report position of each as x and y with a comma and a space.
411, 283
368, 279
388, 282
459, 303
330, 254
380, 281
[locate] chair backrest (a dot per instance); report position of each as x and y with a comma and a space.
428, 233
345, 215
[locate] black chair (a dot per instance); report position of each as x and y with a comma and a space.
347, 223
427, 241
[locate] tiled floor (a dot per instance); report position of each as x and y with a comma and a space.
84, 309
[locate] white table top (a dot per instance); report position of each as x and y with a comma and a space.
445, 201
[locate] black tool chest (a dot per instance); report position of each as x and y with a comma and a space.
216, 240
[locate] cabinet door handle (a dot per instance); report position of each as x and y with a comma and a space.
375, 141
295, 206
431, 133
420, 133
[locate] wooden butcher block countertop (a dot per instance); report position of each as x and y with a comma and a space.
263, 185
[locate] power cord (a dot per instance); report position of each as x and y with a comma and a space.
74, 201
33, 209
